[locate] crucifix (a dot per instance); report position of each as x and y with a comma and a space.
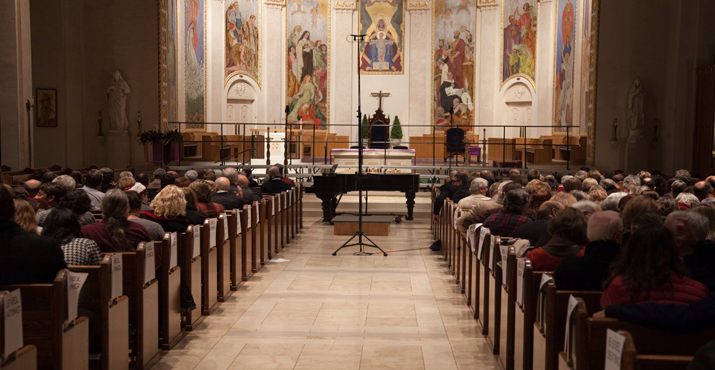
379, 96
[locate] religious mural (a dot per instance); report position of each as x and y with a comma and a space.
383, 21
243, 43
308, 55
454, 24
171, 85
194, 59
519, 39
564, 63
585, 60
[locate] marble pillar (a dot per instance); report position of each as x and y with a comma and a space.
15, 84
488, 46
343, 70
420, 28
274, 60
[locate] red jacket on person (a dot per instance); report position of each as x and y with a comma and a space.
683, 290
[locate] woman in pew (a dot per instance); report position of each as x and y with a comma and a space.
25, 216
649, 270
170, 210
62, 225
204, 190
568, 237
115, 233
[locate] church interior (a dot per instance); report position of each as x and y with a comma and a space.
414, 93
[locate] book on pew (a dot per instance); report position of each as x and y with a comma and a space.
11, 324
75, 281
614, 349
149, 268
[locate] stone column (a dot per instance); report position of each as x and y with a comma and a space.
420, 28
545, 66
488, 49
15, 84
273, 24
343, 66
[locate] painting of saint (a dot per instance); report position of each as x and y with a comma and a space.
454, 24
585, 59
171, 85
195, 67
308, 25
519, 39
383, 23
564, 66
242, 49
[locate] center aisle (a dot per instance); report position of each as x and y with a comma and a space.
318, 311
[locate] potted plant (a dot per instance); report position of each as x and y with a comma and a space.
396, 132
172, 142
364, 128
155, 138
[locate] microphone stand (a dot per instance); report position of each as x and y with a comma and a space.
359, 178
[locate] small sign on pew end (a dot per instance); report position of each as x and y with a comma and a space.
173, 250
117, 284
614, 349
196, 230
75, 281
12, 340
149, 272
212, 232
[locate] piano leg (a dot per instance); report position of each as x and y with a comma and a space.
410, 203
329, 204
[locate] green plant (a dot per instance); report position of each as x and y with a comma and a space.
172, 136
396, 132
364, 128
150, 136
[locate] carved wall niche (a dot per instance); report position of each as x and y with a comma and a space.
241, 103
516, 108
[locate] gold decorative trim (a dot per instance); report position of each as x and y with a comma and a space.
591, 113
425, 5
487, 3
344, 5
280, 3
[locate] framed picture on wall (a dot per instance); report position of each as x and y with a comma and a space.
46, 107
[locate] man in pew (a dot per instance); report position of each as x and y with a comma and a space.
456, 189
604, 231
135, 208
225, 197
115, 233
478, 190
689, 229
25, 257
537, 232
232, 175
249, 195
506, 221
92, 184
274, 184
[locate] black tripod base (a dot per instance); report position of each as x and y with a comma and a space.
360, 243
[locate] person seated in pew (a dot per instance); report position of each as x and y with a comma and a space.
25, 216
274, 184
284, 178
62, 225
47, 197
192, 207
568, 236
537, 232
78, 202
224, 197
604, 232
204, 190
249, 195
649, 270
169, 209
232, 175
25, 258
140, 190
92, 184
478, 190
707, 210
456, 190
539, 192
115, 233
248, 171
482, 210
153, 228
506, 221
690, 230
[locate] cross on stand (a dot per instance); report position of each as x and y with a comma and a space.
379, 96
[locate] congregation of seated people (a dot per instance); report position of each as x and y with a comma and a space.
645, 240
62, 217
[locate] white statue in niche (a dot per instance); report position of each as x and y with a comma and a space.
117, 92
636, 116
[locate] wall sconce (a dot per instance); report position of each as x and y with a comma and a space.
614, 137
99, 123
139, 121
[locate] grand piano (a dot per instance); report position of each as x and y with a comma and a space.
329, 187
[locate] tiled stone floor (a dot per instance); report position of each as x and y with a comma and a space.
318, 311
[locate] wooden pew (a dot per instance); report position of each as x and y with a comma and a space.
246, 243
189, 244
223, 252
110, 326
474, 273
209, 266
493, 280
44, 312
142, 288
506, 277
277, 224
284, 219
527, 287
169, 276
632, 360
656, 348
23, 359
549, 325
235, 246
269, 220
485, 293
262, 232
300, 206
255, 238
